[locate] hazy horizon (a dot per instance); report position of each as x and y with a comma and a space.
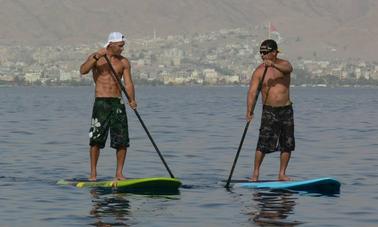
340, 29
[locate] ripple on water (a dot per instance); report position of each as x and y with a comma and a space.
20, 132
199, 132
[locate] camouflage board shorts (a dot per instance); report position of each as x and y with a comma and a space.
109, 113
277, 129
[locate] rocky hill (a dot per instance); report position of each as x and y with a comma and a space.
337, 29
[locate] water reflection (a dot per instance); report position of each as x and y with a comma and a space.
273, 208
110, 209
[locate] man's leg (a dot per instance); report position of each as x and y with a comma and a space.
259, 157
284, 161
121, 156
94, 153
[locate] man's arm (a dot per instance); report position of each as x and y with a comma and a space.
252, 92
91, 61
128, 82
281, 65
88, 64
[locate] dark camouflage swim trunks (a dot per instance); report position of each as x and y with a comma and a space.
109, 113
277, 129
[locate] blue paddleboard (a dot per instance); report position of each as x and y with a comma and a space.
320, 185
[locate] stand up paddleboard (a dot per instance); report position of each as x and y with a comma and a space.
318, 185
154, 184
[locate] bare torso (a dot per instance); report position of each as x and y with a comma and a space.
106, 85
276, 88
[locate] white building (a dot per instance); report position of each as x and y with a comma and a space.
66, 76
211, 76
32, 76
232, 79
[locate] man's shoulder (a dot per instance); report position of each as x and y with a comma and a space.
260, 68
121, 57
280, 60
258, 71
125, 61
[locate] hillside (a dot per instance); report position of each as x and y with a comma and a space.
342, 29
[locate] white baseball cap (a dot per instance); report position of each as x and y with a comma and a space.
115, 37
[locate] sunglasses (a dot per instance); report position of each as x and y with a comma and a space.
262, 53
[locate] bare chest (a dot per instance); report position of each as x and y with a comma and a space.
275, 78
103, 68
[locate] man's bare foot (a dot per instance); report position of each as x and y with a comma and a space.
254, 178
121, 177
283, 178
92, 178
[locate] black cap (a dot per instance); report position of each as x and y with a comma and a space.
268, 46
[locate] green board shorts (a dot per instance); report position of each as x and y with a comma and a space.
277, 129
109, 113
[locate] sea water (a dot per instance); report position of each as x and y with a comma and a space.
44, 138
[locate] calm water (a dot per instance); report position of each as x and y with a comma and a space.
44, 137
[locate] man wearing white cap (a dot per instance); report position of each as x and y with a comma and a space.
108, 109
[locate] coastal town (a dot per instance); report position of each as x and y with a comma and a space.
224, 57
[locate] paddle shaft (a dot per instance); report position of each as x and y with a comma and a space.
246, 129
114, 74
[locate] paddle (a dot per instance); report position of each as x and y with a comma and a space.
246, 128
114, 74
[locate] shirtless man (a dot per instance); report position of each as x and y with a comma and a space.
108, 109
277, 122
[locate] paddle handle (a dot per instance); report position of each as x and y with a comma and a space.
114, 74
237, 154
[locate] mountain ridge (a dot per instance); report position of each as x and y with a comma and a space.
319, 26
